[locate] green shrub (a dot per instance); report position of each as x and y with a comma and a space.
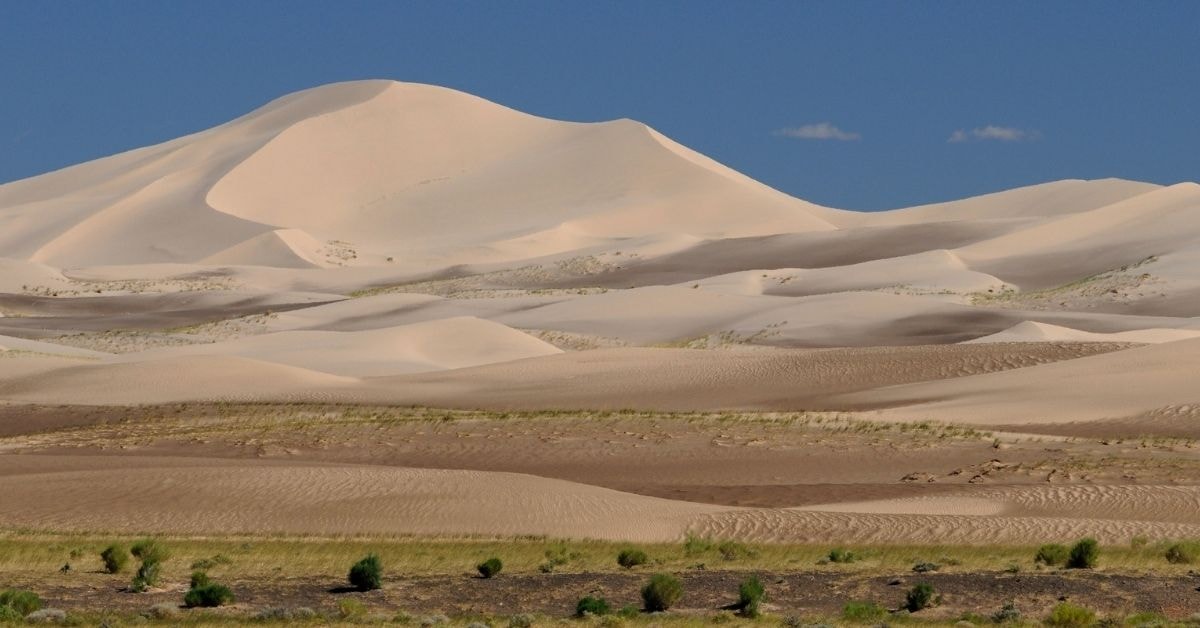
199, 579
1068, 614
210, 594
926, 567
1183, 553
694, 545
863, 612
115, 558
20, 601
351, 609
919, 597
149, 551
632, 557
490, 567
840, 555
750, 596
662, 592
629, 611
10, 615
592, 605
209, 563
1052, 554
557, 555
1150, 619
1008, 614
1084, 554
366, 574
732, 550
146, 576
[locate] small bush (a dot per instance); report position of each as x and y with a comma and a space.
662, 592
732, 550
47, 616
694, 545
863, 612
840, 555
556, 556
115, 558
162, 611
926, 567
1008, 614
919, 597
1146, 619
632, 557
149, 551
209, 594
23, 602
1183, 553
351, 609
146, 576
592, 605
8, 615
490, 567
750, 596
1071, 615
522, 620
199, 579
628, 611
209, 563
274, 613
366, 574
1052, 554
1084, 554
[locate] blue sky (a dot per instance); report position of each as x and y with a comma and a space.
862, 105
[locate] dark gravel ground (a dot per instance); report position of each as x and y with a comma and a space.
806, 594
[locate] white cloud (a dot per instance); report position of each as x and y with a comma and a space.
819, 131
992, 132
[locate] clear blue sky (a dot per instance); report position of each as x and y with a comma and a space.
1037, 90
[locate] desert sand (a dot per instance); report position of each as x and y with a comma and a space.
393, 245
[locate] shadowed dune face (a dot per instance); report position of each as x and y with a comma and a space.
397, 244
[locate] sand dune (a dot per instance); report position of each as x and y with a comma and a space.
1118, 385
682, 379
1030, 331
435, 345
184, 378
282, 248
395, 243
21, 345
198, 496
1045, 200
191, 495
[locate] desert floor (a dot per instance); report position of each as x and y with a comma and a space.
396, 315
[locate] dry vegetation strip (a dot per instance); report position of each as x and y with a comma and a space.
425, 579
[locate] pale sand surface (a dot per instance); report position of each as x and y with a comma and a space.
399, 244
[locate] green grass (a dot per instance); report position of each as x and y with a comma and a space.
32, 552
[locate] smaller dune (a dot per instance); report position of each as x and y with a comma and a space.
1030, 331
172, 379
10, 344
420, 347
281, 248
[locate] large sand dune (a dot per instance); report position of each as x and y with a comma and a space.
395, 243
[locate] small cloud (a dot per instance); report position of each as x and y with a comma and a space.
992, 132
819, 131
